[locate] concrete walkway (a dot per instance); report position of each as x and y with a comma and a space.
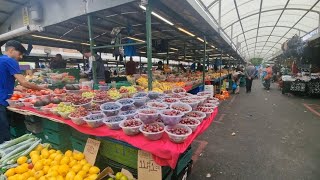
276, 137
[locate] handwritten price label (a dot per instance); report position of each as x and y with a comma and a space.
147, 168
91, 150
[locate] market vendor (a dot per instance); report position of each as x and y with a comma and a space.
9, 70
99, 68
58, 62
131, 67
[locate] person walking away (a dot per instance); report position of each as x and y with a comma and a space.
250, 73
236, 81
9, 70
131, 67
100, 65
267, 77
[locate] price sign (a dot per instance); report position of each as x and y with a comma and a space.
91, 150
147, 168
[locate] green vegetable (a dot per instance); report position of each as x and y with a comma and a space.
15, 141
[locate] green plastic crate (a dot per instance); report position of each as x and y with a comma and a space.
56, 137
78, 144
184, 160
119, 152
55, 126
78, 135
17, 131
61, 147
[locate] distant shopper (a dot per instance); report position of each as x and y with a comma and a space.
131, 67
267, 76
199, 67
160, 66
99, 68
250, 73
236, 81
58, 63
181, 67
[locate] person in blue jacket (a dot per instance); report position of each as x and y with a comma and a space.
9, 72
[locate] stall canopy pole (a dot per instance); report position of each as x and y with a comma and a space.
94, 65
149, 43
168, 53
140, 65
220, 70
204, 59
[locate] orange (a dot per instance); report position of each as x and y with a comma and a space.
70, 175
68, 153
63, 170
76, 168
38, 166
65, 160
94, 170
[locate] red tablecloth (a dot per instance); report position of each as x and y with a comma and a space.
165, 153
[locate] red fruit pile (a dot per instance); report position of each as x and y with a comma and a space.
148, 111
178, 131
170, 100
59, 91
101, 96
154, 104
207, 105
80, 112
176, 96
180, 108
204, 109
94, 107
152, 128
178, 90
72, 97
188, 121
81, 100
186, 100
193, 114
132, 123
172, 113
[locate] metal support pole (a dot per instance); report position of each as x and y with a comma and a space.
219, 20
94, 65
220, 71
140, 65
149, 43
204, 59
168, 54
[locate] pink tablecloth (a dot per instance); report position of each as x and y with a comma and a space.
165, 153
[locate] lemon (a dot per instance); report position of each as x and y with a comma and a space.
63, 170
85, 168
45, 153
45, 169
76, 168
53, 173
20, 177
10, 172
58, 157
82, 173
42, 178
78, 156
60, 178
31, 178
94, 170
70, 175
72, 163
83, 162
78, 177
39, 147
93, 176
26, 175
32, 153
51, 151
68, 153
22, 159
35, 158
38, 174
38, 166
52, 156
65, 160
58, 152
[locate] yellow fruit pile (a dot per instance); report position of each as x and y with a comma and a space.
53, 165
160, 86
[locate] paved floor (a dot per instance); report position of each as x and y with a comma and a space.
276, 137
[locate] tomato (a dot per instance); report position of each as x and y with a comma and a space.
14, 98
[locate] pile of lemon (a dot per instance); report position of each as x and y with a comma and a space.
50, 164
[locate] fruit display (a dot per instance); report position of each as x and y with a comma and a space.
111, 108
193, 103
196, 114
192, 123
178, 133
157, 105
38, 92
171, 117
88, 94
16, 96
206, 110
77, 116
100, 96
113, 122
72, 87
94, 108
128, 89
59, 91
114, 94
183, 107
126, 103
128, 114
62, 107
179, 90
94, 120
152, 131
148, 116
170, 100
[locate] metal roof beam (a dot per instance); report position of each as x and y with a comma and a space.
263, 36
261, 2
295, 24
277, 23
270, 10
14, 2
245, 39
211, 4
272, 27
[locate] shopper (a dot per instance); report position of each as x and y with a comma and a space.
250, 73
99, 68
267, 76
236, 81
160, 66
199, 67
131, 67
58, 63
9, 70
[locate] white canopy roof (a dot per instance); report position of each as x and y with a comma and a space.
261, 26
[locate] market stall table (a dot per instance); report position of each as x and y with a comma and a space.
165, 152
